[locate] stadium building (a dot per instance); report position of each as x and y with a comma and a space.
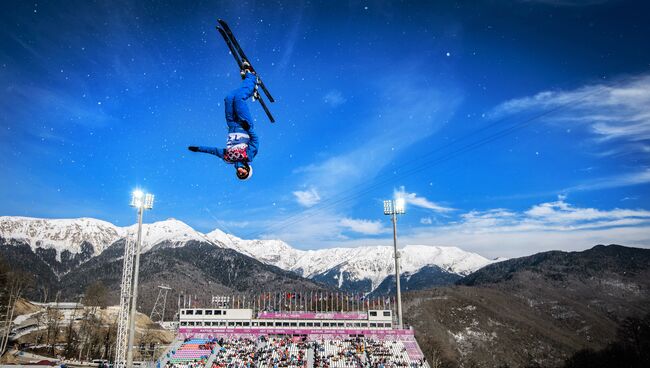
245, 337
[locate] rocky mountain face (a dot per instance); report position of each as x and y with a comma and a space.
534, 311
198, 268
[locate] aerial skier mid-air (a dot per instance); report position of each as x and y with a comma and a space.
242, 143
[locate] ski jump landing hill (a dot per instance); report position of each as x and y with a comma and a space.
216, 337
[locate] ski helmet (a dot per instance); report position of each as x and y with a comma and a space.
249, 169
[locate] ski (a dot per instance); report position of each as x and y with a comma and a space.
230, 46
237, 53
242, 55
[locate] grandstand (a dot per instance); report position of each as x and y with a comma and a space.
243, 338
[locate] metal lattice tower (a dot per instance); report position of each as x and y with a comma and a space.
159, 308
125, 303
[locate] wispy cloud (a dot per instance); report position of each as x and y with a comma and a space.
420, 109
334, 98
367, 227
414, 200
623, 180
545, 226
617, 111
307, 198
556, 225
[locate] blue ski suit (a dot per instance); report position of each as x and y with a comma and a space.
240, 125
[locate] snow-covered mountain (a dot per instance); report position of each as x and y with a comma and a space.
61, 234
170, 233
347, 268
373, 263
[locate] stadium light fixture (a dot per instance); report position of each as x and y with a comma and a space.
400, 205
393, 208
141, 200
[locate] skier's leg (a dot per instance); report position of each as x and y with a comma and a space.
229, 106
240, 95
211, 150
242, 113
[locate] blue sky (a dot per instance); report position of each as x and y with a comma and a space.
510, 127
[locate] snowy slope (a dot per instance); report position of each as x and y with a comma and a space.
172, 233
70, 234
373, 263
61, 234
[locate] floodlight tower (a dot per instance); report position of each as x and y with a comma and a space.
393, 208
142, 202
158, 310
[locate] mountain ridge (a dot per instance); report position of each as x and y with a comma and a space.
363, 269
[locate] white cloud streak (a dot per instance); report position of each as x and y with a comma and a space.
307, 198
367, 227
498, 232
546, 226
617, 111
636, 178
414, 200
406, 115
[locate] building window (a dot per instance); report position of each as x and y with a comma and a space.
373, 313
293, 324
246, 324
310, 324
231, 324
386, 313
190, 312
199, 312
208, 312
217, 313
278, 324
373, 325
301, 324
183, 323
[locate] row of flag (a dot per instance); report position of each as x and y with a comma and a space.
289, 301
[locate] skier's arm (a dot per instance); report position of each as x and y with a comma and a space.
211, 150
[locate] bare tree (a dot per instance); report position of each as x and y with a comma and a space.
12, 284
53, 317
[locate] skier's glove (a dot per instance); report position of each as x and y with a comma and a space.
246, 67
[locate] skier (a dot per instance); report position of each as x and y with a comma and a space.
242, 143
